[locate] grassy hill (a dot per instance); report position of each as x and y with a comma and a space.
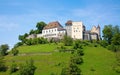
97, 60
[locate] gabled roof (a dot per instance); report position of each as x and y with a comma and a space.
55, 24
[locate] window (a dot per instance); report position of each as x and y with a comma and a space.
55, 29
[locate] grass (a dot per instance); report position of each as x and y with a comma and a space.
37, 48
46, 63
97, 60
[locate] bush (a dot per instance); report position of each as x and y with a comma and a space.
112, 48
72, 69
13, 68
95, 45
18, 44
117, 69
65, 71
28, 68
76, 59
3, 49
2, 64
62, 49
15, 51
77, 44
92, 69
103, 43
80, 52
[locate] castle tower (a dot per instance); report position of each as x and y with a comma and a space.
98, 31
75, 29
68, 27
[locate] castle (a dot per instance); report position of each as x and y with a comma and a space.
75, 30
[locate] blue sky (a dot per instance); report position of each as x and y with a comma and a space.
19, 16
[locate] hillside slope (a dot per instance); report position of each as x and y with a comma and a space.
97, 60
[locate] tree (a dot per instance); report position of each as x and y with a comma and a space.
108, 33
116, 29
116, 39
22, 38
18, 44
40, 26
3, 49
32, 31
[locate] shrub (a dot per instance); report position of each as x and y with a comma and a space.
13, 68
72, 69
117, 69
112, 48
95, 45
28, 68
18, 44
65, 71
92, 69
103, 43
80, 52
2, 64
67, 40
76, 59
15, 51
3, 49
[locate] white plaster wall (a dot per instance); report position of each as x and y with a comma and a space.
50, 32
77, 30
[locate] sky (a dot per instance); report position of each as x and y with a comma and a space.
20, 16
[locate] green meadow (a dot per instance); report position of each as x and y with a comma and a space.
49, 61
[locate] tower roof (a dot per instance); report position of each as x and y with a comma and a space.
98, 26
69, 22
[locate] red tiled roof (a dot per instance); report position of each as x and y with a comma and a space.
55, 24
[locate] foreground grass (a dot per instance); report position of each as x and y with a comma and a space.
98, 61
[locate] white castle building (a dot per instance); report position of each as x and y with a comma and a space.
53, 30
75, 30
